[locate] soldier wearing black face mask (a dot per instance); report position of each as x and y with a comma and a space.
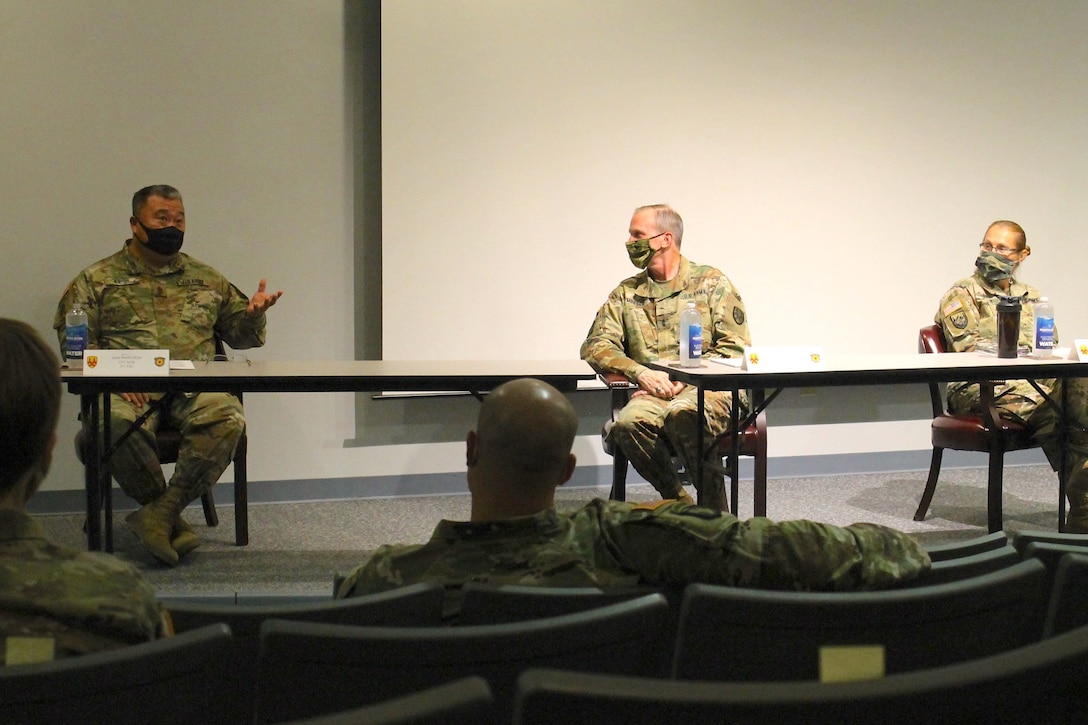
151, 296
968, 316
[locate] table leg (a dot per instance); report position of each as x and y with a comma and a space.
699, 410
106, 476
92, 467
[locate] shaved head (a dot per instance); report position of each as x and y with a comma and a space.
521, 450
527, 424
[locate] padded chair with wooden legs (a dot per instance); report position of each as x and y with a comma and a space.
987, 432
753, 442
168, 442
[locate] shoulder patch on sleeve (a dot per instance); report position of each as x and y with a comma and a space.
958, 320
738, 315
951, 307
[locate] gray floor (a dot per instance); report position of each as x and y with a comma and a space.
297, 548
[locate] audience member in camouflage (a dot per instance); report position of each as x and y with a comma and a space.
968, 316
62, 601
639, 322
149, 295
517, 456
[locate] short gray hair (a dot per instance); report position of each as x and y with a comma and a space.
667, 220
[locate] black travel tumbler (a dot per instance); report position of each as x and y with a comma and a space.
1008, 326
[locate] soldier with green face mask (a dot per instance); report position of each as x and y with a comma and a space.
639, 322
968, 316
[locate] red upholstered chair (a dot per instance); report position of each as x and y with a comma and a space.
986, 433
753, 442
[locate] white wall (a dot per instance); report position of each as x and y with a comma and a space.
844, 155
838, 160
240, 105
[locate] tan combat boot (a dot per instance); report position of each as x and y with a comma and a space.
183, 538
153, 524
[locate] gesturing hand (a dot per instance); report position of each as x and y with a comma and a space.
261, 300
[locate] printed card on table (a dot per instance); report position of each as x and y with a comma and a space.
137, 363
783, 359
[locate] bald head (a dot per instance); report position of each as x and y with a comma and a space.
527, 427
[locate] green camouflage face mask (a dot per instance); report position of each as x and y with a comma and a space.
993, 267
640, 252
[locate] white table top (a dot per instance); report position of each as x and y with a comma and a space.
877, 369
338, 376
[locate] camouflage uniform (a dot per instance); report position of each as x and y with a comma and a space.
84, 601
968, 314
663, 544
181, 307
639, 322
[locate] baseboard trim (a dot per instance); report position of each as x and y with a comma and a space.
439, 484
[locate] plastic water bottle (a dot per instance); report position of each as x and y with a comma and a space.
691, 337
1044, 327
75, 336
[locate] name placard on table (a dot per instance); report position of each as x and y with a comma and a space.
145, 363
783, 359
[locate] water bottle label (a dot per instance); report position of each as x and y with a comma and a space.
75, 342
1044, 334
695, 341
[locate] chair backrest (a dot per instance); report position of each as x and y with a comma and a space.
306, 669
1021, 539
1068, 608
467, 701
775, 635
931, 340
963, 567
974, 545
1038, 683
501, 603
417, 605
178, 679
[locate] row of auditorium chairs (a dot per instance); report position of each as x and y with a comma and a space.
300, 660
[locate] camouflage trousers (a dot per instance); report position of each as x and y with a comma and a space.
211, 425
1018, 400
650, 430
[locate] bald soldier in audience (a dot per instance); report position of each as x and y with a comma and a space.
521, 451
54, 601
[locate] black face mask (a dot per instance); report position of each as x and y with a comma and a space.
166, 241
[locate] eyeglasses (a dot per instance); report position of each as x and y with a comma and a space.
1000, 249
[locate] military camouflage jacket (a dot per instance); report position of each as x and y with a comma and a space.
84, 601
180, 307
664, 543
968, 314
640, 320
